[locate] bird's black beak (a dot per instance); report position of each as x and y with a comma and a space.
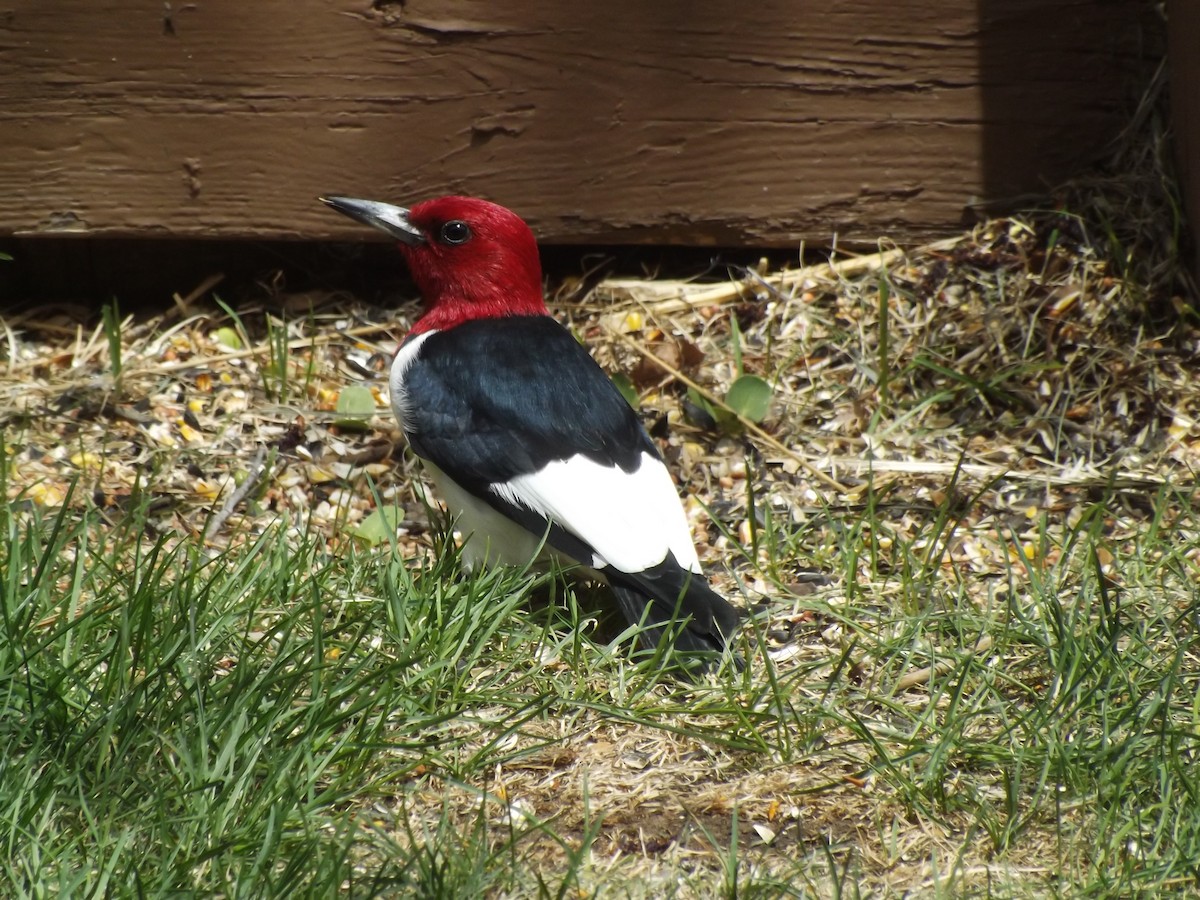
390, 219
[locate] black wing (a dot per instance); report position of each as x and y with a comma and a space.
492, 399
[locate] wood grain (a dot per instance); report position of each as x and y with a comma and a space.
765, 123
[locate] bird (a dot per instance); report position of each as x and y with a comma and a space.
527, 441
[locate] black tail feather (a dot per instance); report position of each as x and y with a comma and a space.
672, 602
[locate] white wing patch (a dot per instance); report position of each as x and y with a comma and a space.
405, 357
630, 519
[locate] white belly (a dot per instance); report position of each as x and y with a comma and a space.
490, 538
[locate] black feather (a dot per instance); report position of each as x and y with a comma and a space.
503, 397
493, 399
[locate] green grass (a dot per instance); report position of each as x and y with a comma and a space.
280, 719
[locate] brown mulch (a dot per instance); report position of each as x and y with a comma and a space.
1012, 355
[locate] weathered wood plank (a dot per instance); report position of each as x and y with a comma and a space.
695, 123
1184, 60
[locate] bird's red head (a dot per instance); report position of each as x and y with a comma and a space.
470, 259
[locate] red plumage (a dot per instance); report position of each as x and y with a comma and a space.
497, 273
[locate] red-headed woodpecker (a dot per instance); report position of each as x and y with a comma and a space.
527, 441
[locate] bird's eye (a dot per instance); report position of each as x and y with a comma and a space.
456, 232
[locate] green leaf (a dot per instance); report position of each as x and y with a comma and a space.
717, 416
623, 384
355, 406
750, 397
380, 526
228, 337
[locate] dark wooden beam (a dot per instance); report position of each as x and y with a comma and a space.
622, 122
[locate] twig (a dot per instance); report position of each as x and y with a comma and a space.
746, 423
977, 470
673, 296
316, 340
183, 304
253, 476
921, 676
199, 362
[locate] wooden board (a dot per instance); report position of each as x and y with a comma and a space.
1184, 59
763, 123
